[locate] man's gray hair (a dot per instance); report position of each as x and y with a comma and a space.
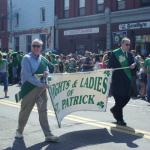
37, 41
124, 40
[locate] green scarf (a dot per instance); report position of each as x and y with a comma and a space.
1, 62
122, 59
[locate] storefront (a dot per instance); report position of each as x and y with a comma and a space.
139, 33
79, 40
142, 44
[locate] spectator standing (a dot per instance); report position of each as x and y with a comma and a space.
88, 62
4, 73
147, 69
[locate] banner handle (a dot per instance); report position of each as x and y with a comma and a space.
59, 125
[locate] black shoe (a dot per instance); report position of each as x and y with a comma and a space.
121, 123
143, 97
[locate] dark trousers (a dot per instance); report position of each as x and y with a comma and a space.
120, 102
134, 87
4, 79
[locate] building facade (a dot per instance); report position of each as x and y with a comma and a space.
97, 25
28, 20
3, 25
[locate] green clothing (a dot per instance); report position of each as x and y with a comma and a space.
20, 56
14, 59
147, 65
122, 59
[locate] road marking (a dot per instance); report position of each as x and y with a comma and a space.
91, 122
133, 105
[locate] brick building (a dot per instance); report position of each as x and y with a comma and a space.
97, 25
3, 25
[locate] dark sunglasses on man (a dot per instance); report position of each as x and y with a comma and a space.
34, 46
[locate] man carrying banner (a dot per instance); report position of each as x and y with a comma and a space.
33, 90
121, 78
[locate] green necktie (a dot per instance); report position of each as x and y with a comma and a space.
125, 54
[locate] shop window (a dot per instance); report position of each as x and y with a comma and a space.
66, 8
100, 6
42, 14
28, 43
16, 43
81, 7
121, 4
145, 2
117, 37
143, 44
43, 38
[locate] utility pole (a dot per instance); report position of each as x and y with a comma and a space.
10, 22
108, 25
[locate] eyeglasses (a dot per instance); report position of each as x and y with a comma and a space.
127, 44
34, 46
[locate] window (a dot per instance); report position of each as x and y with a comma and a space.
81, 7
17, 19
121, 4
43, 38
66, 8
28, 43
2, 23
100, 6
145, 2
42, 14
16, 43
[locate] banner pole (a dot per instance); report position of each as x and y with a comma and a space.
59, 125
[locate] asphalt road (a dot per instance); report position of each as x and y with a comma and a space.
80, 131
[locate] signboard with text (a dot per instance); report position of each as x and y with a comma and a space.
138, 25
81, 31
79, 92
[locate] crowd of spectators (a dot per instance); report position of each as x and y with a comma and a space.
72, 63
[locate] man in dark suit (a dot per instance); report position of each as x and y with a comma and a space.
121, 79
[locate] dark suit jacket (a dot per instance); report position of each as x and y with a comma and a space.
121, 84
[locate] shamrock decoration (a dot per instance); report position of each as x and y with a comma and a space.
107, 73
100, 104
122, 58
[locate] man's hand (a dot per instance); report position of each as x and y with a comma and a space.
45, 74
45, 86
132, 66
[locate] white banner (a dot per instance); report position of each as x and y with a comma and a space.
72, 92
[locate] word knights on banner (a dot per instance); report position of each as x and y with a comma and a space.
72, 92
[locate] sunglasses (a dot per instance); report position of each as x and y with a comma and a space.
34, 46
127, 44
